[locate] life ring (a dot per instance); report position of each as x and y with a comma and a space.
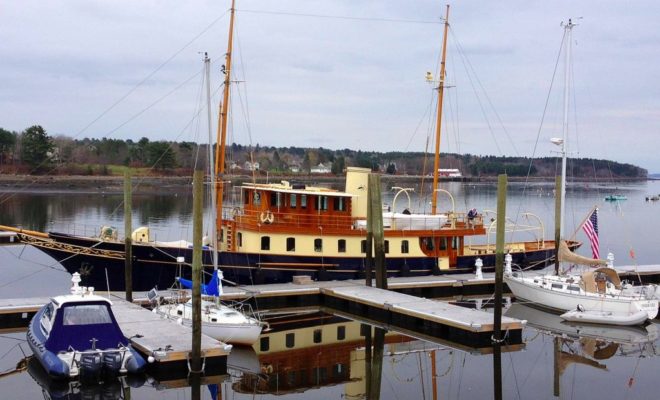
266, 217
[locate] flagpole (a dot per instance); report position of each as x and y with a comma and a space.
594, 208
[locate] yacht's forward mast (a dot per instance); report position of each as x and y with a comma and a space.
438, 125
222, 126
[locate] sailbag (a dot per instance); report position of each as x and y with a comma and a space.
566, 255
213, 288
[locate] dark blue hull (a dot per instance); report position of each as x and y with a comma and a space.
157, 267
57, 369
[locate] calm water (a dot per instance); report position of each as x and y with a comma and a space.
555, 361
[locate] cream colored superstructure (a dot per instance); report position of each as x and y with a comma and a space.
251, 242
356, 184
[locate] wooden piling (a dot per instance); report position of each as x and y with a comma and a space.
375, 227
377, 363
499, 254
128, 243
499, 272
196, 364
558, 221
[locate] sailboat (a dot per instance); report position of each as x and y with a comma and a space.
219, 321
281, 230
595, 296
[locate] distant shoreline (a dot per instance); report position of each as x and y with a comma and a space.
159, 184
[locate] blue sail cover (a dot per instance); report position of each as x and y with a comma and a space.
78, 324
210, 289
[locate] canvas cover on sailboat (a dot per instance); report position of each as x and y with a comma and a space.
213, 288
566, 255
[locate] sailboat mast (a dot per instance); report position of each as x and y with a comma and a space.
562, 207
222, 124
214, 212
438, 124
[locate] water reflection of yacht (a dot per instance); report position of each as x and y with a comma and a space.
309, 350
312, 349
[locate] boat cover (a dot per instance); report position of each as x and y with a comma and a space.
213, 288
566, 255
77, 329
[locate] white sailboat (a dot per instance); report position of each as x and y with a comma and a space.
220, 321
597, 295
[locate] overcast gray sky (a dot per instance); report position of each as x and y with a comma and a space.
339, 82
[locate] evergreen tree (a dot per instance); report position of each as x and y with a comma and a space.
161, 156
339, 165
7, 143
36, 148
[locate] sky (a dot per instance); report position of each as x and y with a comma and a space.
339, 74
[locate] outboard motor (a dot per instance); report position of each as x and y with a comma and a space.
90, 367
112, 363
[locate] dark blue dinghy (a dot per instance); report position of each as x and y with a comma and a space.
77, 335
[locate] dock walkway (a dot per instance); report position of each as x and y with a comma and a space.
401, 306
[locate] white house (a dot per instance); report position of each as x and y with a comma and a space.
449, 173
321, 169
251, 166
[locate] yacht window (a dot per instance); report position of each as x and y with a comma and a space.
265, 243
322, 203
239, 236
387, 246
341, 246
574, 288
318, 335
303, 201
454, 242
88, 314
339, 371
292, 200
341, 332
363, 246
318, 245
264, 343
404, 247
443, 243
339, 204
290, 244
256, 199
291, 378
320, 375
290, 340
557, 286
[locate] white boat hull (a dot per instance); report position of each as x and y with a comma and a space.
606, 317
562, 301
220, 322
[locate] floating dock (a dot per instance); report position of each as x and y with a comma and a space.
403, 306
168, 342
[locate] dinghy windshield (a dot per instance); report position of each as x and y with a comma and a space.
83, 326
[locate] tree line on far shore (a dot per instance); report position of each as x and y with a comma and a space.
33, 151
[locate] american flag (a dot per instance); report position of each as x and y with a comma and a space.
590, 227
